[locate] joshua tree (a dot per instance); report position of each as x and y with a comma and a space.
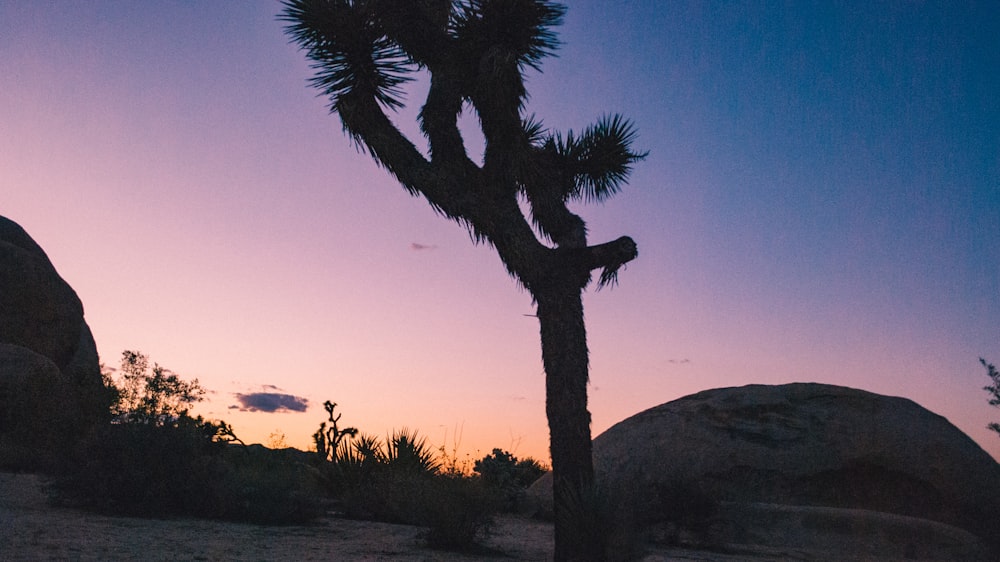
329, 436
476, 53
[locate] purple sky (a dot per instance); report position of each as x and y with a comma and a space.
821, 203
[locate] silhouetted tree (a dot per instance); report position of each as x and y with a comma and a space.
154, 397
329, 435
994, 389
508, 475
477, 52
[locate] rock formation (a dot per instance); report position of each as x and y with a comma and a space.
48, 359
802, 445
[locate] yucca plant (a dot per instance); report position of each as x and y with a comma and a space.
384, 480
353, 462
408, 453
400, 480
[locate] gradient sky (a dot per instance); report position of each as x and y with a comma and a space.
821, 202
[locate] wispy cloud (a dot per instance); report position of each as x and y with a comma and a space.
269, 402
416, 246
679, 361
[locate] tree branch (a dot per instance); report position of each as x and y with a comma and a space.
610, 254
368, 125
545, 187
419, 27
439, 120
497, 98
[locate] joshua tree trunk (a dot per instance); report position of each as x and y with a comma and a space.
565, 356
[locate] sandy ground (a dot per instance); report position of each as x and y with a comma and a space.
32, 529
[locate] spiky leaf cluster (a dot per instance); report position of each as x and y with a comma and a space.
600, 159
476, 52
519, 30
349, 48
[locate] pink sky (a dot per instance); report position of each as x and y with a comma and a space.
801, 216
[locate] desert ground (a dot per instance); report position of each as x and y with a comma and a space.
31, 528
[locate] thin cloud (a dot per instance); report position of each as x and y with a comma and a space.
417, 247
269, 402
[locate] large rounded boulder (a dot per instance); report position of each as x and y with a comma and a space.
38, 309
45, 343
40, 409
803, 444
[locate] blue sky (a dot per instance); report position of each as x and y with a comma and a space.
821, 202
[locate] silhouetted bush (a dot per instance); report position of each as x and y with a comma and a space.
605, 521
508, 477
154, 460
400, 480
177, 470
145, 470
382, 480
458, 511
264, 486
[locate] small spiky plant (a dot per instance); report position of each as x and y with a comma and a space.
409, 453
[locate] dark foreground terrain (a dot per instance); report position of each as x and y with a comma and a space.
32, 529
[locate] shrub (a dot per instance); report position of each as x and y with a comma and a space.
507, 476
400, 480
408, 453
458, 511
150, 396
156, 460
605, 521
382, 480
144, 470
262, 486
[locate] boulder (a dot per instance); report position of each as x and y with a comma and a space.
41, 314
39, 408
38, 309
800, 444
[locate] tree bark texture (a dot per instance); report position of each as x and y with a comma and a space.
565, 357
